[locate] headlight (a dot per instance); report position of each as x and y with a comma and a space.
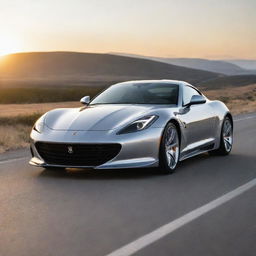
39, 124
139, 124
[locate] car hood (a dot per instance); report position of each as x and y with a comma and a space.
95, 117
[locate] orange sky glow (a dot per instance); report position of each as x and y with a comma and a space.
167, 28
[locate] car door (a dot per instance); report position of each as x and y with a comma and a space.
197, 120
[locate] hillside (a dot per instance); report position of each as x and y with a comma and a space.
218, 66
246, 64
204, 64
228, 82
70, 68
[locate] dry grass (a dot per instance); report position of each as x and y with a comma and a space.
16, 120
14, 137
238, 99
44, 94
11, 110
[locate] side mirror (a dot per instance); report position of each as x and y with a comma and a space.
85, 100
197, 99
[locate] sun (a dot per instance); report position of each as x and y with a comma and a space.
9, 44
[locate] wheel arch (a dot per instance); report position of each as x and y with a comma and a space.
228, 114
177, 124
220, 127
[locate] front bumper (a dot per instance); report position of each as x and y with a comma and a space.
139, 149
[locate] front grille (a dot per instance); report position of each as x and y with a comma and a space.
77, 154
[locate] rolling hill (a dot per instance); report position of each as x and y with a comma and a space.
208, 65
228, 82
246, 64
218, 66
72, 68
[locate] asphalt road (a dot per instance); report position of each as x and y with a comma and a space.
43, 213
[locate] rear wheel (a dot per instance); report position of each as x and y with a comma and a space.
169, 149
226, 138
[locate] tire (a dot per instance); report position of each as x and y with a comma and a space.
226, 138
169, 149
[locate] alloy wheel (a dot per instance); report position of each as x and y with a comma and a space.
172, 147
227, 135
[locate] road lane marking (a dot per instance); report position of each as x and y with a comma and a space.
241, 119
12, 160
170, 227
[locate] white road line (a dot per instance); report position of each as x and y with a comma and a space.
12, 160
165, 230
241, 119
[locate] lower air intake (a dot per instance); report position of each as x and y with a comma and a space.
77, 154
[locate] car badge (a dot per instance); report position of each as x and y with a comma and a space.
70, 150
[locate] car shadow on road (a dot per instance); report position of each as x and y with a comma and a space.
100, 174
133, 173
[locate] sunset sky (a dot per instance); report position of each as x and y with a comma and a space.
169, 28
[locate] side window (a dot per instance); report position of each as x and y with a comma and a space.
188, 92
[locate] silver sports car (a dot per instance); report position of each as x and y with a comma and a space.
152, 123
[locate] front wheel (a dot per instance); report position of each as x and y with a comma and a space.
169, 149
226, 138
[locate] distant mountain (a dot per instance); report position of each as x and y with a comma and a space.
228, 81
218, 66
72, 68
209, 65
246, 64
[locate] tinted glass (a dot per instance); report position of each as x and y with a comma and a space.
139, 93
188, 92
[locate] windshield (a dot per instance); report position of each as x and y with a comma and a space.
139, 93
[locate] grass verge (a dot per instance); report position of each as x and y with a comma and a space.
239, 100
14, 131
14, 137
